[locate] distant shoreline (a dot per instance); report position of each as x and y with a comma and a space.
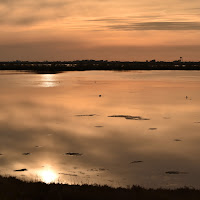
12, 188
88, 65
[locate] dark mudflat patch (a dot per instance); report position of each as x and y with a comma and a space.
166, 118
129, 117
26, 154
73, 154
102, 169
68, 174
152, 129
98, 170
75, 167
197, 122
175, 172
1, 154
90, 115
20, 170
93, 170
99, 126
136, 161
177, 140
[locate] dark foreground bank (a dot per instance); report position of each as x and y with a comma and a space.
14, 189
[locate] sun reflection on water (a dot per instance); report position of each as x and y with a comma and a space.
48, 176
48, 80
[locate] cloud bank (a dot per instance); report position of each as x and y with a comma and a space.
28, 27
157, 26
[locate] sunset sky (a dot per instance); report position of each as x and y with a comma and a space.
99, 29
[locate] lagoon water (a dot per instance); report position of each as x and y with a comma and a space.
142, 130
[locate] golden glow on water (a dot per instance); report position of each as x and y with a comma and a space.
51, 122
48, 176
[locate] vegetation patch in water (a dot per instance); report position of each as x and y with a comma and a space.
175, 172
20, 170
129, 117
73, 154
136, 161
152, 129
91, 115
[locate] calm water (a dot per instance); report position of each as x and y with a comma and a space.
57, 127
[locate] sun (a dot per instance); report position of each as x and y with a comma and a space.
48, 176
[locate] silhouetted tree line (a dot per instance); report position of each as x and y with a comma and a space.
84, 65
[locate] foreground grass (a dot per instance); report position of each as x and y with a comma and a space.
14, 189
